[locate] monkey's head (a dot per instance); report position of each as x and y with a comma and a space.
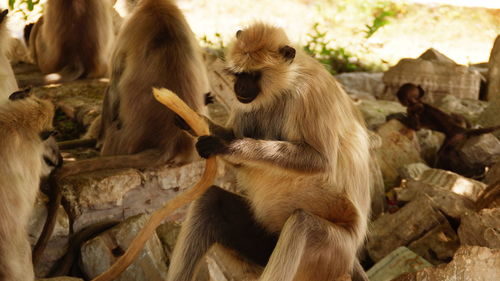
261, 61
409, 94
41, 114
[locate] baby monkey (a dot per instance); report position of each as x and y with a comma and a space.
423, 115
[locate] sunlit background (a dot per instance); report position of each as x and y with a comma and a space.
363, 34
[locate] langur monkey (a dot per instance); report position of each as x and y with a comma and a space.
28, 151
72, 39
8, 83
454, 126
155, 48
301, 153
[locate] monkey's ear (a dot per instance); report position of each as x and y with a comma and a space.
47, 134
3, 14
287, 52
238, 33
421, 91
21, 94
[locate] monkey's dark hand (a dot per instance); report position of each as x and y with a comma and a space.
181, 123
208, 146
209, 99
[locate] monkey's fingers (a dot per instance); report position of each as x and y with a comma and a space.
208, 146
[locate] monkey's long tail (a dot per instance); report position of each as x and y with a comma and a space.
200, 127
50, 222
478, 132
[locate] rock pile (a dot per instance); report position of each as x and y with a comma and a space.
437, 225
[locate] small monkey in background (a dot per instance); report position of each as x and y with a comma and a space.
423, 115
72, 39
301, 152
8, 83
28, 151
155, 48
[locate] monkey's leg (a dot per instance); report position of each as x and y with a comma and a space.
311, 248
218, 217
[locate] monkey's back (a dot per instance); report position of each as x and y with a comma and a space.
75, 34
156, 48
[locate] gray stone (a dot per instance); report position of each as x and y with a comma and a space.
481, 228
471, 109
114, 195
168, 233
430, 143
362, 85
399, 147
410, 223
489, 117
376, 111
413, 171
482, 150
490, 197
100, 253
453, 182
494, 73
436, 74
399, 261
451, 204
58, 242
493, 174
438, 245
469, 263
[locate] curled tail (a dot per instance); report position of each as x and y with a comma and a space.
68, 73
478, 132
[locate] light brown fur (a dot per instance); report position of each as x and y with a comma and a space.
73, 39
22, 151
156, 48
302, 154
8, 83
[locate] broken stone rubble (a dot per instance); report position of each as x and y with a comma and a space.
481, 228
100, 253
114, 195
408, 224
399, 147
437, 74
469, 263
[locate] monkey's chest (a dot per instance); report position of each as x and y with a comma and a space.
262, 124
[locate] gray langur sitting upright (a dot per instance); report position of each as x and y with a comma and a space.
301, 152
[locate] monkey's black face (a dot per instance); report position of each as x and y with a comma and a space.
247, 86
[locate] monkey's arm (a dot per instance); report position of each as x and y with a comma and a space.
300, 157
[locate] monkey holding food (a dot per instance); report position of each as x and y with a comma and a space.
301, 152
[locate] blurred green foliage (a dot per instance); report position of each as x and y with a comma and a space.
335, 59
30, 4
